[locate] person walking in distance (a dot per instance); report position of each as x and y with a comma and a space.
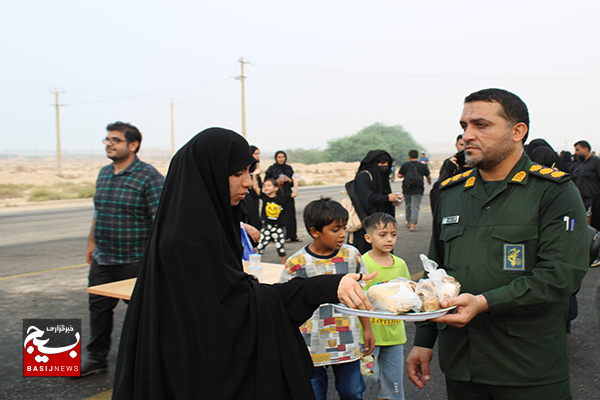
125, 203
413, 172
586, 172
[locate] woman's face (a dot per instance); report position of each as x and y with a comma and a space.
280, 158
256, 154
238, 185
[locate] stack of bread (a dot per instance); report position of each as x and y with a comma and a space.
402, 295
396, 296
432, 292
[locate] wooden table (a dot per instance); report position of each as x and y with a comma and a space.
123, 289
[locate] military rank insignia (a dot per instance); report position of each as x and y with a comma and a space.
551, 174
519, 176
458, 178
514, 257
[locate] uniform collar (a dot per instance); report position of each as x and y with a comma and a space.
519, 174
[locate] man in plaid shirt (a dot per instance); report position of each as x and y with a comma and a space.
126, 200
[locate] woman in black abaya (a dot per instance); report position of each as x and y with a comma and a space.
282, 173
197, 326
541, 152
373, 191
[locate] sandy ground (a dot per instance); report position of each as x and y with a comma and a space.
20, 170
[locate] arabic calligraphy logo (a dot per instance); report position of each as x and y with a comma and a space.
513, 256
41, 345
51, 347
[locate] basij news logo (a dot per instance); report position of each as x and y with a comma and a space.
51, 347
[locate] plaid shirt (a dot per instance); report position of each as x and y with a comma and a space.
125, 206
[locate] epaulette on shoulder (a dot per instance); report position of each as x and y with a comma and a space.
453, 180
551, 174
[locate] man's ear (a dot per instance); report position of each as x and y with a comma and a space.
519, 131
133, 146
368, 238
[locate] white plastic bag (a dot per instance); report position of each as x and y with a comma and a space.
437, 287
393, 296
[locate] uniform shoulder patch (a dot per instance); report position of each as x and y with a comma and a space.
453, 180
551, 174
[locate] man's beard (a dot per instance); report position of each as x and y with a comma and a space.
493, 156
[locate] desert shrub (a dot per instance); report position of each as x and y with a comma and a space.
63, 191
11, 191
43, 193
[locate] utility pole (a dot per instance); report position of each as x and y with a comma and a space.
241, 78
172, 127
58, 148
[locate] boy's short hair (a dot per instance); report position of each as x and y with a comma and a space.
378, 219
322, 212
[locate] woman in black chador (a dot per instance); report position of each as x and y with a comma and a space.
282, 173
373, 191
197, 326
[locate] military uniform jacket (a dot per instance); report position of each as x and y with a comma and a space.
524, 247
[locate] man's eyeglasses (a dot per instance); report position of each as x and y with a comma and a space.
113, 140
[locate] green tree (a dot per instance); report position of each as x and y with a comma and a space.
393, 139
306, 156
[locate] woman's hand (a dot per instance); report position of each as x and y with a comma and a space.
350, 293
395, 198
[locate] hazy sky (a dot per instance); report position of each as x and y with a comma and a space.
319, 69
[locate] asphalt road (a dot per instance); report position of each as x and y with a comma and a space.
42, 276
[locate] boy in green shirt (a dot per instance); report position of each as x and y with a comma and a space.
389, 334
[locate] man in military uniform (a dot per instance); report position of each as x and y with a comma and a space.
514, 234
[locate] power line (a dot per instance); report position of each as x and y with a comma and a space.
421, 76
123, 97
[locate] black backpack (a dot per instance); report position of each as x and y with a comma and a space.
413, 178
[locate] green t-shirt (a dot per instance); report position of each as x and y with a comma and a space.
388, 332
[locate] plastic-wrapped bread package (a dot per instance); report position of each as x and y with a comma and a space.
437, 287
395, 296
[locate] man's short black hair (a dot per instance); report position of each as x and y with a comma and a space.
322, 212
584, 144
413, 154
514, 110
458, 138
132, 134
378, 219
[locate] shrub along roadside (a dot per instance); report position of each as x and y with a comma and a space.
62, 191
12, 191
